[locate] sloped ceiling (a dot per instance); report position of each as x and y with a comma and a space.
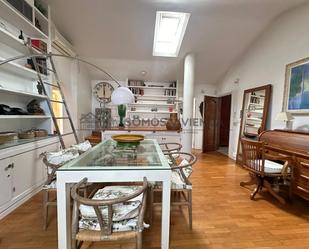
118, 34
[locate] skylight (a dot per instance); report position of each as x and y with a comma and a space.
169, 33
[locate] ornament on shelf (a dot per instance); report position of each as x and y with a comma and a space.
21, 36
40, 88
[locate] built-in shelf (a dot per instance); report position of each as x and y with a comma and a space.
158, 112
20, 70
254, 119
39, 13
24, 117
257, 96
150, 104
17, 142
10, 40
153, 87
21, 93
254, 104
11, 15
155, 96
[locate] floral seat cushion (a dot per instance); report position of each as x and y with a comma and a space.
52, 185
121, 211
177, 181
119, 226
82, 147
61, 157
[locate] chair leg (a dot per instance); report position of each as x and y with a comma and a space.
190, 208
150, 208
259, 185
273, 193
45, 208
74, 243
252, 181
139, 241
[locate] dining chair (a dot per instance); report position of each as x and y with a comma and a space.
52, 161
113, 213
170, 147
181, 188
264, 167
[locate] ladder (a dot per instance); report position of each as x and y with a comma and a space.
44, 85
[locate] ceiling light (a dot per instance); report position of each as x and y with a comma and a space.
169, 32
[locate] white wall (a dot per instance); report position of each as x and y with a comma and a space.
285, 41
75, 82
200, 90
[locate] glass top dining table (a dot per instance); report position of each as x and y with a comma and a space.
111, 161
110, 154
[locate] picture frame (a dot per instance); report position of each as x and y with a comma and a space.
296, 90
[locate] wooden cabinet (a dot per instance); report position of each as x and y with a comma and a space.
296, 145
301, 178
22, 174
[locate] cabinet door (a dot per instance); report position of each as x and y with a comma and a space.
5, 181
168, 138
29, 169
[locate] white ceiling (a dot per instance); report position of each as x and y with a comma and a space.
118, 34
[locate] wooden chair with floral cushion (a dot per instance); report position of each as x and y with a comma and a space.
113, 213
170, 147
181, 188
54, 160
264, 167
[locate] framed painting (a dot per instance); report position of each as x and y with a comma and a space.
296, 93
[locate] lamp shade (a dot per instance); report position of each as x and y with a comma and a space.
122, 95
284, 116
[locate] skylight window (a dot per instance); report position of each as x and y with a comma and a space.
169, 33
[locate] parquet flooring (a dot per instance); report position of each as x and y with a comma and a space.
223, 218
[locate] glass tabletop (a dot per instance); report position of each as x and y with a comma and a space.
110, 154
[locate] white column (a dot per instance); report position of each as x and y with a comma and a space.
188, 89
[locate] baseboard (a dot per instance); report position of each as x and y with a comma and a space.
19, 200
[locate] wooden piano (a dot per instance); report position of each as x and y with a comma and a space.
296, 145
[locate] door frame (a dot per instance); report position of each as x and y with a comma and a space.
232, 117
216, 126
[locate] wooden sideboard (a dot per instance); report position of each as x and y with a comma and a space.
296, 145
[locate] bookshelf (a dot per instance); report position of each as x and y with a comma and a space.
153, 99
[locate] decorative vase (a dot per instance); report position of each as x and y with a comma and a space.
122, 114
173, 123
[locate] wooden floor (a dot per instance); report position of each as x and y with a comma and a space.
223, 217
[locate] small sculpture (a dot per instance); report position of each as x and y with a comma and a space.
40, 88
21, 36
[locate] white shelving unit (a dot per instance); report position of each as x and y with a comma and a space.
253, 114
13, 16
21, 93
21, 70
17, 82
24, 117
17, 89
154, 112
152, 99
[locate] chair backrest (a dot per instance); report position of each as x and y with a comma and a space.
183, 163
54, 160
253, 155
105, 224
170, 147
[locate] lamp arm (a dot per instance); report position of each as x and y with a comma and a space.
47, 55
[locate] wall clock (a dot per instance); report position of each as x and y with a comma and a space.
103, 92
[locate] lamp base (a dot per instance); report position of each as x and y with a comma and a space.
122, 114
